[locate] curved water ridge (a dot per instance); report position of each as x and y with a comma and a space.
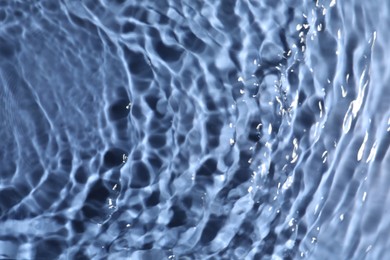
194, 129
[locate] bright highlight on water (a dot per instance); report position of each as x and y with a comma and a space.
188, 129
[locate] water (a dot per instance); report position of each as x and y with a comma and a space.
194, 129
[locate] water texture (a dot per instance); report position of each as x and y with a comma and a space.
189, 129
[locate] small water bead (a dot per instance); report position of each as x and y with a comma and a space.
114, 157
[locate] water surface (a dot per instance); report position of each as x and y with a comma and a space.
224, 129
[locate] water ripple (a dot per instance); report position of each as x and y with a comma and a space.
194, 129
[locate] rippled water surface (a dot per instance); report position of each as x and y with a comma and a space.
194, 129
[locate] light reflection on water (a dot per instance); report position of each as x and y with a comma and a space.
194, 129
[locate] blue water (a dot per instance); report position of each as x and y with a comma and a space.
188, 129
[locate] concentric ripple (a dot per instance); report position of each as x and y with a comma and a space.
188, 129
